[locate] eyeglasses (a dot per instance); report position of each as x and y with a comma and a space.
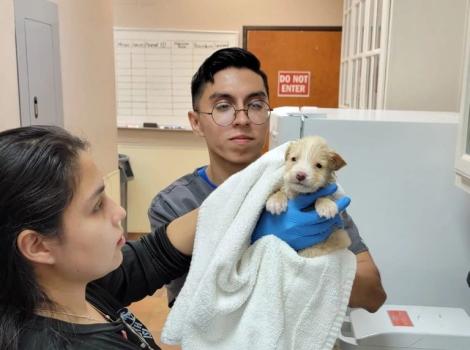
224, 114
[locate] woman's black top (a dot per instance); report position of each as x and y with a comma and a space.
148, 264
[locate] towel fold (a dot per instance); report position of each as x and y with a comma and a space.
263, 296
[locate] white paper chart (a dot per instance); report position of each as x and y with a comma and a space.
154, 70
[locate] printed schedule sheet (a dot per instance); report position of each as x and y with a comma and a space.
154, 71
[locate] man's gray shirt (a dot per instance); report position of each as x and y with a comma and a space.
188, 193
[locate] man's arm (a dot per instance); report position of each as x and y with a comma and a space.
181, 232
367, 291
180, 197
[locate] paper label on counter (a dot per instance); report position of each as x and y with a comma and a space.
400, 318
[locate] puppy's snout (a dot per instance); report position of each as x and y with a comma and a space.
300, 176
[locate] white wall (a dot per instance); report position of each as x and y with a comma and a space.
226, 15
425, 55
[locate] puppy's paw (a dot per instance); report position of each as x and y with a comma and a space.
325, 207
277, 203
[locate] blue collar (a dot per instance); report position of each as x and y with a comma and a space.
202, 173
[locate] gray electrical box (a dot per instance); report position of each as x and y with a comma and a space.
38, 57
125, 174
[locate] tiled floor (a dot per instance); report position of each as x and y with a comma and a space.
152, 312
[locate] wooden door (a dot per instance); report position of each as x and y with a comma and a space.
302, 63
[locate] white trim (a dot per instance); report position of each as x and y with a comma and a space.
462, 182
462, 156
357, 77
384, 38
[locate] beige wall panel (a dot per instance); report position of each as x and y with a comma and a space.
425, 55
87, 59
226, 15
157, 159
9, 102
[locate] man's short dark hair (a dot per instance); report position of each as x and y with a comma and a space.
220, 60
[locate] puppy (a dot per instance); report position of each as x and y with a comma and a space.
310, 165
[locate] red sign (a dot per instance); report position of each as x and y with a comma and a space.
400, 318
293, 83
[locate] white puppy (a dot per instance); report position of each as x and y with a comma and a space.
310, 165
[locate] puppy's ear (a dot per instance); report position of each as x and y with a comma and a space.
336, 161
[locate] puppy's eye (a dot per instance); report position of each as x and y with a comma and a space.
293, 159
319, 166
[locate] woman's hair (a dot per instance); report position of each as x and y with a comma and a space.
38, 175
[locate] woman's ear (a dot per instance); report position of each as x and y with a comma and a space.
195, 123
35, 247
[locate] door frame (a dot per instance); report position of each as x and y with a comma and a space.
328, 95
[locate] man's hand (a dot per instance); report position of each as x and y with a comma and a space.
367, 291
301, 229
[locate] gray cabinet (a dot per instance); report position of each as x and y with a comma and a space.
38, 57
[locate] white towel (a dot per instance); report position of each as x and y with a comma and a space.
262, 296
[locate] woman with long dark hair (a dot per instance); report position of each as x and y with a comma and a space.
66, 271
59, 232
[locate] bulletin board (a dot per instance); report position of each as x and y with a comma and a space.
153, 70
302, 63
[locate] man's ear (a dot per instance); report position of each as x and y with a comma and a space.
35, 247
195, 123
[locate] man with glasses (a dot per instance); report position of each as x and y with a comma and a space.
231, 111
224, 113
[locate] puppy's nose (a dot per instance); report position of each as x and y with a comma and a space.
300, 176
